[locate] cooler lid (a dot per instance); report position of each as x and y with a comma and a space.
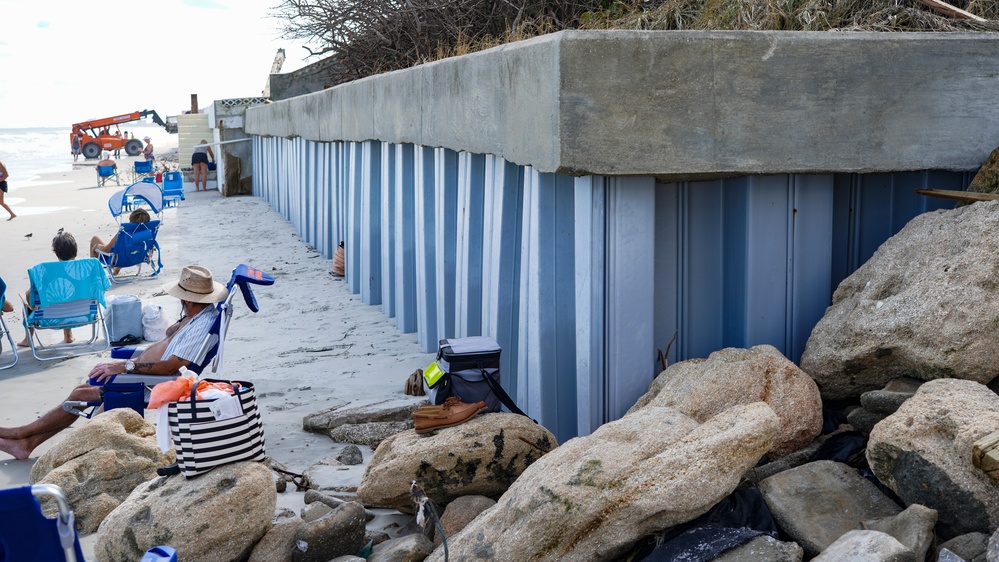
473, 344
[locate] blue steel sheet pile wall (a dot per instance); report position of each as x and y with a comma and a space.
581, 280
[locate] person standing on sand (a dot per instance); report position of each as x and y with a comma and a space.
147, 152
199, 161
198, 295
76, 146
3, 190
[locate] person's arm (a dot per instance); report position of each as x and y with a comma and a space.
3, 172
210, 153
167, 367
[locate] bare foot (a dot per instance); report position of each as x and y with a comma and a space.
68, 339
12, 217
23, 343
15, 448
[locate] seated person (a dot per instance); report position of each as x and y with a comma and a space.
198, 294
107, 161
96, 244
64, 247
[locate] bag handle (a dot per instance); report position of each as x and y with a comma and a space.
194, 392
503, 396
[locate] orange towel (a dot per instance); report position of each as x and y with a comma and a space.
179, 390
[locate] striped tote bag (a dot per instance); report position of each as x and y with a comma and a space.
205, 438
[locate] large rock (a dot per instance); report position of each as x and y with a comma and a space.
99, 465
217, 516
703, 388
338, 533
594, 496
389, 410
923, 306
482, 456
460, 513
763, 547
818, 502
277, 544
923, 453
866, 546
913, 528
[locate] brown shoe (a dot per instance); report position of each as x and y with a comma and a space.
433, 408
453, 412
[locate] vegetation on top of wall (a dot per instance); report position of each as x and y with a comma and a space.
368, 37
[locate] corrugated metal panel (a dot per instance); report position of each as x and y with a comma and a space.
581, 280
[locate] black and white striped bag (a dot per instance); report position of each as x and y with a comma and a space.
204, 442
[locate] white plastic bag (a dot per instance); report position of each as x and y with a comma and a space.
154, 324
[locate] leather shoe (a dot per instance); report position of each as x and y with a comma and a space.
452, 412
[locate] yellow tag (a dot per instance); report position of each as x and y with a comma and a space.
432, 374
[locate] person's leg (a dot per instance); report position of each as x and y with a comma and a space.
197, 177
67, 336
95, 244
19, 442
30, 331
7, 307
5, 206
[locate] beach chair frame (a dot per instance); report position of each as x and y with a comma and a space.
129, 390
173, 189
5, 333
48, 318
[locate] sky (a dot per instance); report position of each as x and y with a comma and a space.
65, 61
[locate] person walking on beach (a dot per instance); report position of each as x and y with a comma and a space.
76, 146
199, 161
3, 190
198, 294
147, 152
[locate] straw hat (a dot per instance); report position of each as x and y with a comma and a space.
196, 285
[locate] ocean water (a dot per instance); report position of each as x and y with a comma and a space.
28, 153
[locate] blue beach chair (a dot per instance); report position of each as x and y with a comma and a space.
27, 534
106, 174
5, 333
142, 169
173, 189
66, 295
129, 391
135, 245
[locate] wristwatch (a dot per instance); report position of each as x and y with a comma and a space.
129, 366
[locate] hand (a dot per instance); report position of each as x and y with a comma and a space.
104, 371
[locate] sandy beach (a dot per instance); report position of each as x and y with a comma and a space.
313, 345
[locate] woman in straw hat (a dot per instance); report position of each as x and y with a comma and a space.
198, 293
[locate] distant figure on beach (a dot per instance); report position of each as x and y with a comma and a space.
199, 161
117, 151
3, 190
96, 244
75, 150
107, 161
198, 294
147, 152
64, 247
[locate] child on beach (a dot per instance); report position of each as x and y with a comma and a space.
3, 190
64, 246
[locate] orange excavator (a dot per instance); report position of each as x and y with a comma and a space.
98, 136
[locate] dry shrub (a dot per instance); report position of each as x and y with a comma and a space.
366, 37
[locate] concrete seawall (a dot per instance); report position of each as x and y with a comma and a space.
681, 105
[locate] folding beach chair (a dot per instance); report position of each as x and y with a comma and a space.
27, 534
129, 391
173, 189
141, 169
134, 246
107, 173
5, 333
66, 294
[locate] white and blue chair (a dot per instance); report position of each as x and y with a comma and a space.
5, 333
66, 295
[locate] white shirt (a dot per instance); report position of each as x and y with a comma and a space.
188, 341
